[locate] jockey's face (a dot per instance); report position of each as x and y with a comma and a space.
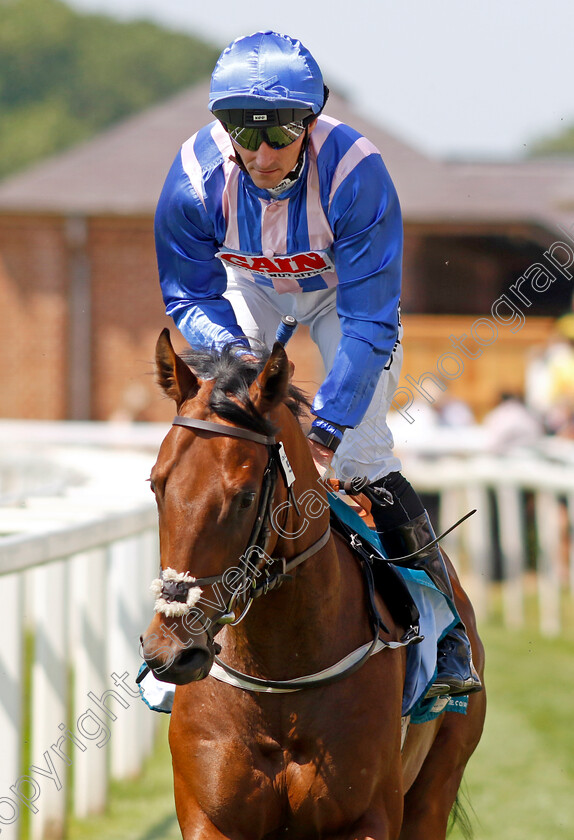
267, 167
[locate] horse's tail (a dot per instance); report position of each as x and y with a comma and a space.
459, 815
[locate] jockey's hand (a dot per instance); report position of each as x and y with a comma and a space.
321, 456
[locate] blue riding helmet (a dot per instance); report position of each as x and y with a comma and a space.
267, 71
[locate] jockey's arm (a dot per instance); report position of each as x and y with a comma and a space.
366, 219
192, 279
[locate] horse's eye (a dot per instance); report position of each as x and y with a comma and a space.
246, 500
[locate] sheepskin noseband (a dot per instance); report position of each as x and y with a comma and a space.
175, 593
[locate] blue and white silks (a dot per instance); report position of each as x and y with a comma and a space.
339, 226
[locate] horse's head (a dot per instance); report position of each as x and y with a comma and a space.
214, 482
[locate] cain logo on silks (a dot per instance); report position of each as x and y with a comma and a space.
296, 266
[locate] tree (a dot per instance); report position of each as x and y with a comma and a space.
561, 143
65, 76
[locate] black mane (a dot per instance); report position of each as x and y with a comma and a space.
233, 376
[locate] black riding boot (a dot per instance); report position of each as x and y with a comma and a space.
456, 673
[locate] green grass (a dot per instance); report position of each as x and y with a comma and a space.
138, 810
520, 781
521, 777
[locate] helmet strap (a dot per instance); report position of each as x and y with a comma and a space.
236, 159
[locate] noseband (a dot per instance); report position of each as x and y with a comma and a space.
177, 593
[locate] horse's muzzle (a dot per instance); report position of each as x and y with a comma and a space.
174, 664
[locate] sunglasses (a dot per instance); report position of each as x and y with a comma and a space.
276, 136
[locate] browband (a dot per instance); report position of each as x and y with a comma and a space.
220, 429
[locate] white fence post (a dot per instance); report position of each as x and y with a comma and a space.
512, 544
125, 600
570, 581
548, 528
90, 725
480, 548
148, 570
11, 700
50, 758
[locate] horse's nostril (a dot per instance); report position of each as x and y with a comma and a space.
193, 658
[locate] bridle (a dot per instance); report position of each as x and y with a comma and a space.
273, 571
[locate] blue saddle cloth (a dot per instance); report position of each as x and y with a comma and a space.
437, 616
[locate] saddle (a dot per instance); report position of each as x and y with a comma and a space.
386, 578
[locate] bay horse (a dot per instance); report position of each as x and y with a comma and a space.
327, 759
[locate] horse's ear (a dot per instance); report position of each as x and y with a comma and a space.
271, 386
173, 375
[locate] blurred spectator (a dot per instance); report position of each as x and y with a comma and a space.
550, 380
455, 412
511, 425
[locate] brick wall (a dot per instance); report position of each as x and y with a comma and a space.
127, 317
33, 318
35, 311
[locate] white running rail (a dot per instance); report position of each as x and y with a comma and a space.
520, 541
75, 565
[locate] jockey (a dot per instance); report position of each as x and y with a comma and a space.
275, 209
